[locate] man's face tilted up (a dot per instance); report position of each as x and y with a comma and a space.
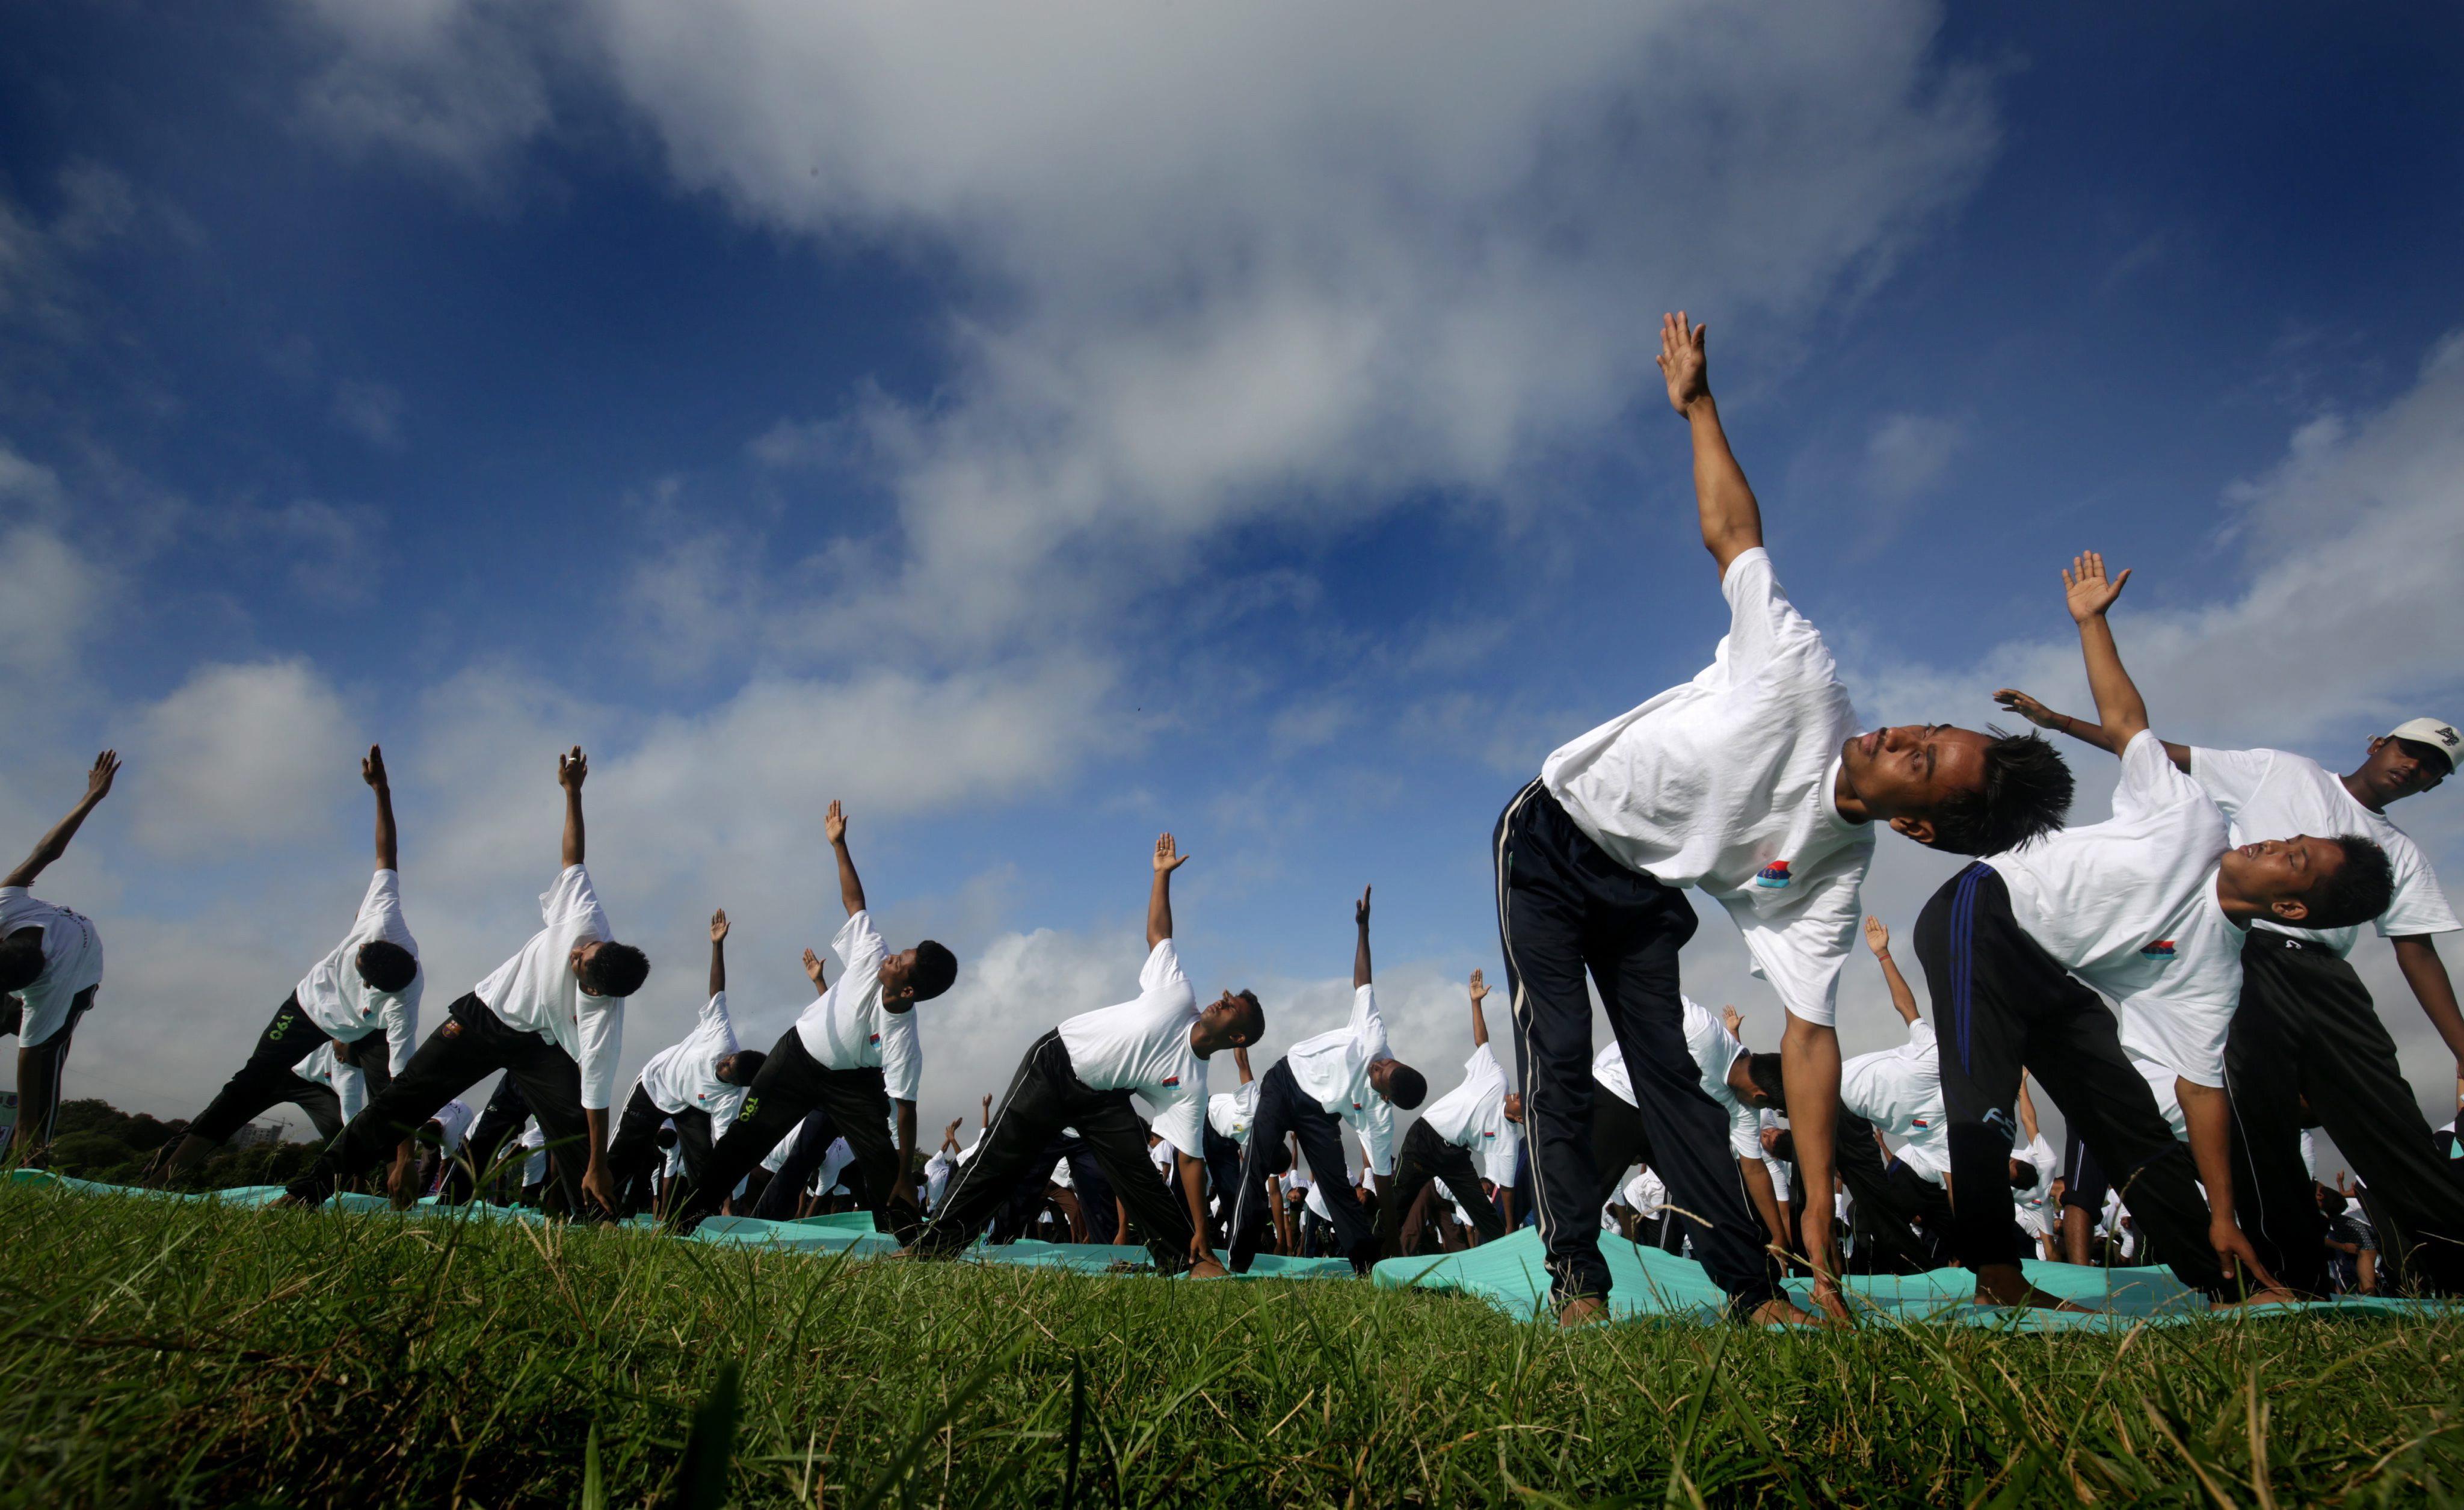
2279, 875
1900, 775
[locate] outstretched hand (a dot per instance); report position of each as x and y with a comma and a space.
813, 969
1732, 1019
2086, 591
718, 927
2027, 708
1878, 936
97, 782
372, 769
834, 823
1168, 858
1361, 909
1479, 988
571, 770
1682, 362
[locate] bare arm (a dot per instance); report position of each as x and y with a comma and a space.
850, 889
56, 844
2088, 593
1168, 859
2079, 729
1765, 1198
1193, 1191
1360, 949
1732, 522
372, 771
2027, 1110
2417, 956
1479, 1023
571, 771
2204, 1114
718, 951
1878, 938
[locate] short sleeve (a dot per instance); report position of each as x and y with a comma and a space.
1745, 1132
2151, 781
1162, 971
1921, 1043
383, 899
2419, 905
1762, 624
2230, 778
1181, 1121
858, 941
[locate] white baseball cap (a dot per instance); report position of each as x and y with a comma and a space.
2441, 737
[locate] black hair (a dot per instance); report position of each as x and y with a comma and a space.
935, 968
1784, 1146
615, 969
21, 959
1257, 1015
1763, 1070
748, 1064
2026, 795
2023, 1174
667, 1138
1407, 1088
2358, 890
387, 966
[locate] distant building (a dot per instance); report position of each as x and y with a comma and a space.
256, 1133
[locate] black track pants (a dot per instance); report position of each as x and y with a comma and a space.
2002, 1005
633, 1152
2308, 1033
1564, 907
1887, 1211
791, 1084
1045, 1096
1284, 1110
468, 1044
1425, 1157
490, 1139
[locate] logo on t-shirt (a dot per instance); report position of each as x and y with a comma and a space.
1773, 875
1919, 1122
2160, 951
875, 1039
1171, 1081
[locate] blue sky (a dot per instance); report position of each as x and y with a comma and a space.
1048, 429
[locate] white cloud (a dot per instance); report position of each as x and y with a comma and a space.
1268, 262
369, 410
1907, 454
448, 82
239, 757
50, 597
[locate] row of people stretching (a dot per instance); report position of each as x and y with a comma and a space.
2173, 978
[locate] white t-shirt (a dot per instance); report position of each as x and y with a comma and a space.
684, 1075
348, 1007
1929, 1165
834, 1162
1646, 1193
454, 1119
1899, 1091
1332, 1070
783, 1149
1725, 783
71, 961
1159, 1154
936, 1177
2035, 1203
1230, 1113
536, 990
1776, 1168
1143, 1046
534, 1136
846, 1027
2129, 905
1472, 1116
1714, 1049
326, 1068
2269, 794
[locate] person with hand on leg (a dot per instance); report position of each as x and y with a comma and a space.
50, 967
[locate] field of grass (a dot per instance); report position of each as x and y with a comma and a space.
161, 1353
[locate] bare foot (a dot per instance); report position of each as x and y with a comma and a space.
1583, 1311
2004, 1284
1780, 1311
1833, 1303
2278, 1297
1207, 1269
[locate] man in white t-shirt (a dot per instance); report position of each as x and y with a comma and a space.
856, 1052
1737, 1081
552, 1017
1342, 1078
1753, 784
50, 966
2149, 907
695, 1084
1903, 1216
1477, 1119
2307, 1037
1082, 1075
1228, 1115
361, 999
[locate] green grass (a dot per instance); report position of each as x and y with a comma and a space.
160, 1353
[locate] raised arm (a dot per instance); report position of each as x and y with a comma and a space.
718, 951
1168, 859
1878, 938
372, 771
1360, 949
850, 889
571, 770
1732, 522
2088, 593
2027, 1110
56, 844
2416, 955
2079, 729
